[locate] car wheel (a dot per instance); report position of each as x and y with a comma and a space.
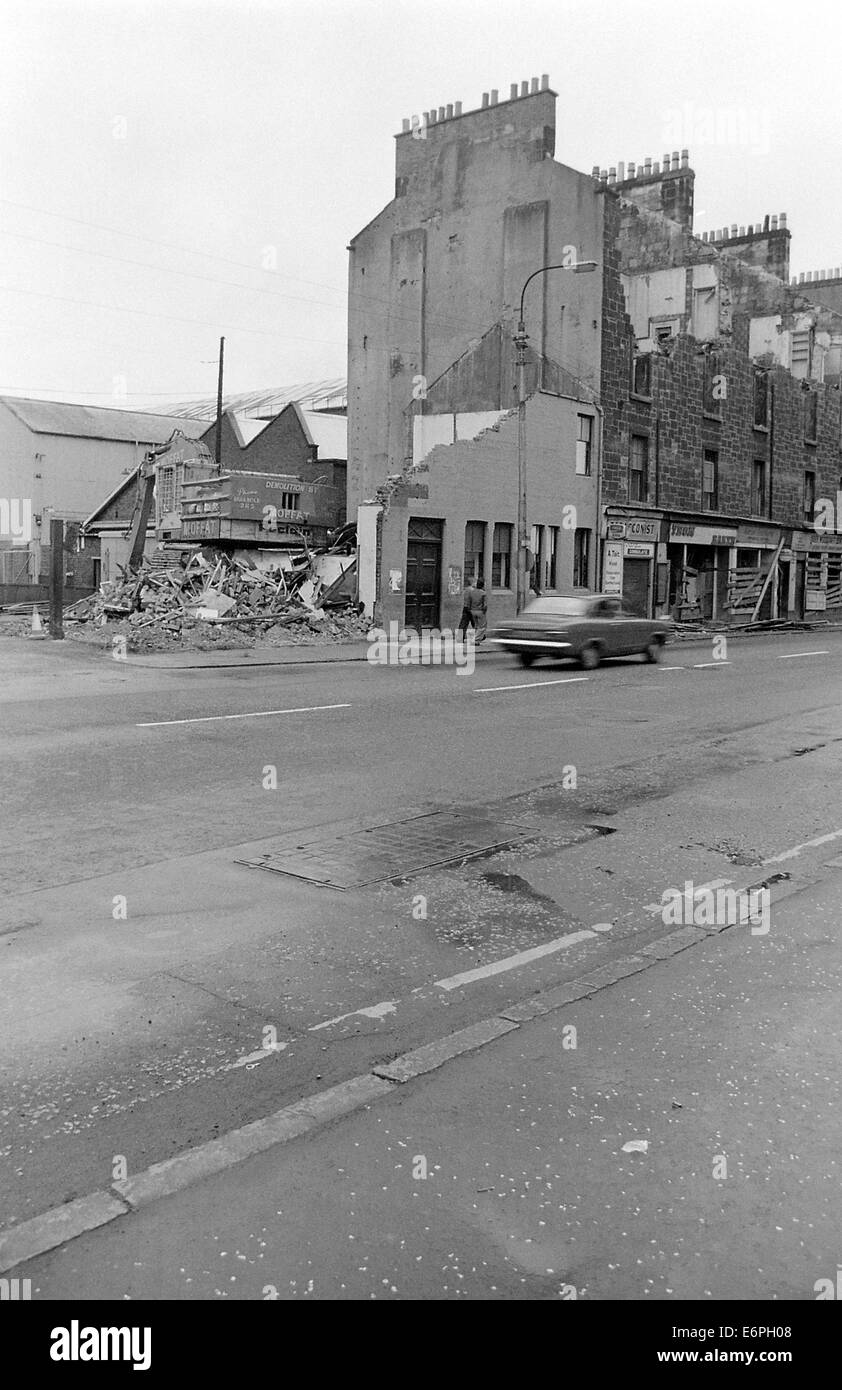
590, 656
526, 658
653, 651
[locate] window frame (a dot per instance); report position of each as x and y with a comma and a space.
642, 473
710, 456
504, 556
585, 470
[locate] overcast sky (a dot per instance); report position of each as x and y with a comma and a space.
173, 172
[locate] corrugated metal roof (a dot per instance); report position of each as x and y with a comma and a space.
331, 394
100, 422
329, 432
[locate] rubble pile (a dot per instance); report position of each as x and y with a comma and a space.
213, 589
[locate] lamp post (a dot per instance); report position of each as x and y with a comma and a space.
520, 339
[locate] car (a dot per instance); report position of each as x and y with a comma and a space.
584, 627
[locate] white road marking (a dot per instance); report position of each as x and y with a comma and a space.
389, 1006
703, 665
252, 1058
527, 685
672, 668
497, 967
257, 714
790, 656
697, 888
808, 844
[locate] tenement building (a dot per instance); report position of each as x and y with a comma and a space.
682, 441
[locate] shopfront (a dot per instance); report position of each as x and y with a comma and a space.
816, 580
631, 555
699, 557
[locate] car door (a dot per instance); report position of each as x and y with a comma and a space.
606, 626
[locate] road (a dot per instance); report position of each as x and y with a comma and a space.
144, 966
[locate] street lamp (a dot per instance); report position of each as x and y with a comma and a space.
521, 339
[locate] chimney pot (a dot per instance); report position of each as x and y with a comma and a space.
751, 229
484, 100
782, 221
612, 174
441, 113
632, 167
665, 165
495, 96
656, 168
405, 125
733, 229
675, 157
621, 171
534, 86
513, 91
458, 111
524, 89
742, 231
685, 159
774, 222
823, 275
801, 278
545, 81
450, 110
704, 236
647, 166
595, 172
809, 274
431, 118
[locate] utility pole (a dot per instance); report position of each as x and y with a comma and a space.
218, 454
520, 340
56, 579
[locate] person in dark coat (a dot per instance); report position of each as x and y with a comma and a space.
474, 609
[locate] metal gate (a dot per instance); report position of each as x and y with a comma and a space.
423, 573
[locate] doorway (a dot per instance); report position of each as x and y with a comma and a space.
423, 573
636, 586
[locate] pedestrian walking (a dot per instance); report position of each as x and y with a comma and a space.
474, 606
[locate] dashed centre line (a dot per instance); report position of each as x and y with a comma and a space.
527, 685
254, 714
791, 656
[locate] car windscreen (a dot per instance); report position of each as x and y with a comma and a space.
558, 607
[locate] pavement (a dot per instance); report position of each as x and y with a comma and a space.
674, 1136
143, 962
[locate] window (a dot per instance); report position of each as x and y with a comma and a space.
536, 545
581, 557
714, 387
758, 488
639, 468
501, 556
552, 552
710, 481
809, 496
642, 375
761, 401
474, 551
168, 482
811, 417
290, 501
583, 445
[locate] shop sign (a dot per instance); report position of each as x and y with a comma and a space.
616, 530
815, 540
200, 528
759, 536
701, 535
639, 552
642, 530
612, 569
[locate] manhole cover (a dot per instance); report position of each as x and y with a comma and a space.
392, 851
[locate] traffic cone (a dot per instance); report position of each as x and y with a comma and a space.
37, 625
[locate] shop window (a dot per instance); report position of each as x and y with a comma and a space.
290, 501
710, 481
536, 546
642, 374
809, 496
501, 556
583, 445
761, 401
474, 551
811, 417
581, 557
758, 488
638, 468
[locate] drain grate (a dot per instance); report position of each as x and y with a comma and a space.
394, 850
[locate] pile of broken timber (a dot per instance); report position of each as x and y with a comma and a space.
211, 587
